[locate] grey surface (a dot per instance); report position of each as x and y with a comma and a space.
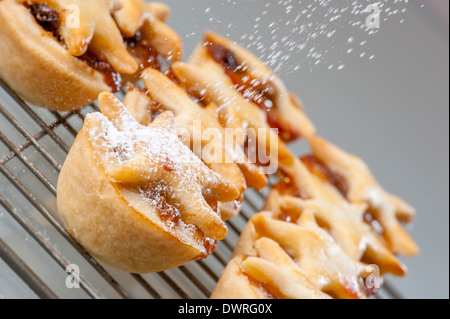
391, 110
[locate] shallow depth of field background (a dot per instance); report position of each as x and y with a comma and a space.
388, 103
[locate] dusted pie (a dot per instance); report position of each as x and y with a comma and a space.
136, 197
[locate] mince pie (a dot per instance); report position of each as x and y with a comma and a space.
136, 197
61, 54
226, 73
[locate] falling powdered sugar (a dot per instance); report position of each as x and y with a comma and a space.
312, 32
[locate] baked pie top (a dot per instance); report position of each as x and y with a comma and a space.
305, 248
383, 208
227, 75
111, 36
270, 274
256, 83
345, 223
171, 180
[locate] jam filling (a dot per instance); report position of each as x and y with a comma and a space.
269, 291
145, 54
260, 94
210, 247
319, 169
111, 78
287, 187
45, 16
288, 217
222, 55
170, 213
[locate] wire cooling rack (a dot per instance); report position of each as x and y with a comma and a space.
33, 241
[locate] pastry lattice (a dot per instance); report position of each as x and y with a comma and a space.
344, 222
309, 190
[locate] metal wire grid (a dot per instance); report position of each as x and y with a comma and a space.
33, 146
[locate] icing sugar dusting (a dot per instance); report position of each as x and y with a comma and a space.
152, 163
154, 147
301, 35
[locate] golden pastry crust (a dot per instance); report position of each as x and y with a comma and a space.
52, 64
302, 245
132, 206
127, 198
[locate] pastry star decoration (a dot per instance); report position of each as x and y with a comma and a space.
345, 224
276, 270
139, 156
388, 209
316, 253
